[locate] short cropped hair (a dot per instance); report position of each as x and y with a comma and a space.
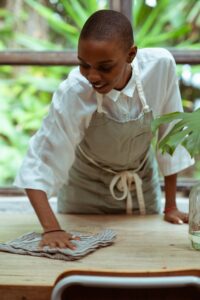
106, 25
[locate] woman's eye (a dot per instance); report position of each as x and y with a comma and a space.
105, 68
100, 68
84, 66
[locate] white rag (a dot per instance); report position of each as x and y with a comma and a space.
28, 244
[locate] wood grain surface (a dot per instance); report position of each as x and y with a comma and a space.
145, 246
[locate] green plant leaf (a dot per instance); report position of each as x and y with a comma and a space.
35, 44
186, 132
54, 20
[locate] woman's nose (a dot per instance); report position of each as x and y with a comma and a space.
93, 76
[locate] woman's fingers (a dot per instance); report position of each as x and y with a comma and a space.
58, 240
176, 217
74, 237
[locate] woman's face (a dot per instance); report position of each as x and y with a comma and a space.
104, 64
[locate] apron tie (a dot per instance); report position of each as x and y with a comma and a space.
124, 182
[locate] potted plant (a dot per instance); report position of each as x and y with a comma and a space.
186, 132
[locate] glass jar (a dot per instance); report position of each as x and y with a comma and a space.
194, 216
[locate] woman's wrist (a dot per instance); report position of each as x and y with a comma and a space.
53, 230
169, 208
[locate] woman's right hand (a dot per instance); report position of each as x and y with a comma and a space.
58, 239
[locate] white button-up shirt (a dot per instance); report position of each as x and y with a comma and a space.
51, 149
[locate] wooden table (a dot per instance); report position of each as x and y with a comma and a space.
144, 246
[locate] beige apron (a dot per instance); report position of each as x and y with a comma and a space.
115, 170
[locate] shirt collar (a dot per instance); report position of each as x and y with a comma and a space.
128, 90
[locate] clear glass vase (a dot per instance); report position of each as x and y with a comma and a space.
194, 216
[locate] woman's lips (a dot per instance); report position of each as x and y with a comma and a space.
99, 87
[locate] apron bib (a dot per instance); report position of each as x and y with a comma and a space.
115, 170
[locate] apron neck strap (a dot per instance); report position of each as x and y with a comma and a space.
139, 85
99, 103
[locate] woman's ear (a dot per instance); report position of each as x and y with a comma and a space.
132, 53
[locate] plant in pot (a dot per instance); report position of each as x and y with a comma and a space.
186, 132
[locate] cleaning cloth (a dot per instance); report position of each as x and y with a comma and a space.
28, 244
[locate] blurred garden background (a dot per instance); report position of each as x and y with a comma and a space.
26, 92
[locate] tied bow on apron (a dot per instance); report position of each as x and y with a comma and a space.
126, 182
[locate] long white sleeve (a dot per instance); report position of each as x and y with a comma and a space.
51, 149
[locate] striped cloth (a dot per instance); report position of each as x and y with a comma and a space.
28, 245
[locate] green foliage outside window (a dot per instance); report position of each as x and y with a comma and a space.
26, 91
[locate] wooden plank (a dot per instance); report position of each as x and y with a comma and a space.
41, 58
25, 293
69, 58
184, 56
144, 246
184, 184
11, 191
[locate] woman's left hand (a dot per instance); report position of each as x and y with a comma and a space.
176, 217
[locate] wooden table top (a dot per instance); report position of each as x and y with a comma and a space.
144, 245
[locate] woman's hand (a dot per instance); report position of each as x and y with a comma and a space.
58, 239
175, 216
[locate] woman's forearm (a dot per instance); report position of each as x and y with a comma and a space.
43, 209
170, 191
172, 213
